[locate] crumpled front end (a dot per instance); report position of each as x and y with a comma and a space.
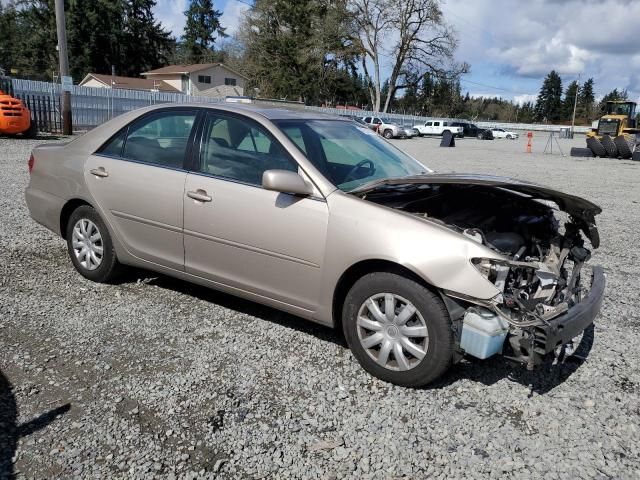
545, 294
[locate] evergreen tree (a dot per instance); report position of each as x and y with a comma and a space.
146, 45
570, 95
201, 30
549, 103
9, 29
35, 49
586, 100
95, 37
297, 50
612, 95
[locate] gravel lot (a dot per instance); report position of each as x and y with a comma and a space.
158, 378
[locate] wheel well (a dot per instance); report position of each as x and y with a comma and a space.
359, 270
66, 212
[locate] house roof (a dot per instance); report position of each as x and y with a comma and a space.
191, 68
130, 83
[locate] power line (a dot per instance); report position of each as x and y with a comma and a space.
494, 88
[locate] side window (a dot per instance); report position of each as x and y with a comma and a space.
428, 124
160, 139
436, 124
377, 121
113, 147
367, 119
241, 150
444, 124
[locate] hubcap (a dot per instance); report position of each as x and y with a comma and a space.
87, 244
392, 331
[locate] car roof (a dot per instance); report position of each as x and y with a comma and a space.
268, 111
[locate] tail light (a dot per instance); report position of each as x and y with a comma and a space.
31, 163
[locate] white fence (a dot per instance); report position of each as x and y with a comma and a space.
92, 106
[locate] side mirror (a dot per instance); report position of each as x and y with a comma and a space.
286, 181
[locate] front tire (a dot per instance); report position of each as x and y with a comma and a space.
90, 246
398, 330
388, 134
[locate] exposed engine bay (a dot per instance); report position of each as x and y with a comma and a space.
540, 276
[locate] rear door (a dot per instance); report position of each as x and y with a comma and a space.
238, 234
137, 180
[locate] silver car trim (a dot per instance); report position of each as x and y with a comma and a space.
140, 162
250, 248
146, 221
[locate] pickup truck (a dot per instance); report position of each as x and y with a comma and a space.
438, 127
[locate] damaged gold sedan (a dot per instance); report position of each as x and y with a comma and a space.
320, 217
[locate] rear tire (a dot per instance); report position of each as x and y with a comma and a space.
90, 246
413, 350
388, 134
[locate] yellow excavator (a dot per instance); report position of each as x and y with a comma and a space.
614, 135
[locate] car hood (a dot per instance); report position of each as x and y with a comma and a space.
579, 208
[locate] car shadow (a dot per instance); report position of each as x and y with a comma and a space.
11, 432
541, 380
238, 304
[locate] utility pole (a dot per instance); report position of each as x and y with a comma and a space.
67, 128
575, 104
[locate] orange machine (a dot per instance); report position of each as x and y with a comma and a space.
14, 116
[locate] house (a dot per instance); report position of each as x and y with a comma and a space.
127, 83
204, 79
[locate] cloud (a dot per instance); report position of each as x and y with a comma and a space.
524, 98
170, 13
523, 41
233, 13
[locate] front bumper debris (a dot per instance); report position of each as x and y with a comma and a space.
563, 329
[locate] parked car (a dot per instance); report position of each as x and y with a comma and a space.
468, 129
385, 127
410, 132
438, 127
485, 134
501, 133
319, 217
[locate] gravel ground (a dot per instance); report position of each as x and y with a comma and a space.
158, 378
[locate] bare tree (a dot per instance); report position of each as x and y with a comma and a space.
411, 34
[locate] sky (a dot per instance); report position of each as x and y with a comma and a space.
511, 45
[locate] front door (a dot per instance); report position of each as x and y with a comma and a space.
237, 233
137, 180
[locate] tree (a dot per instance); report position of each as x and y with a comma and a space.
9, 29
299, 50
549, 103
586, 100
201, 31
146, 45
410, 32
34, 50
95, 36
570, 97
611, 96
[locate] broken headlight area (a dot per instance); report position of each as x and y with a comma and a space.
536, 294
537, 288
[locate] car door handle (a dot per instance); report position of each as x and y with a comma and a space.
199, 195
99, 172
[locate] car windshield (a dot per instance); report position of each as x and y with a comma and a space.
347, 154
